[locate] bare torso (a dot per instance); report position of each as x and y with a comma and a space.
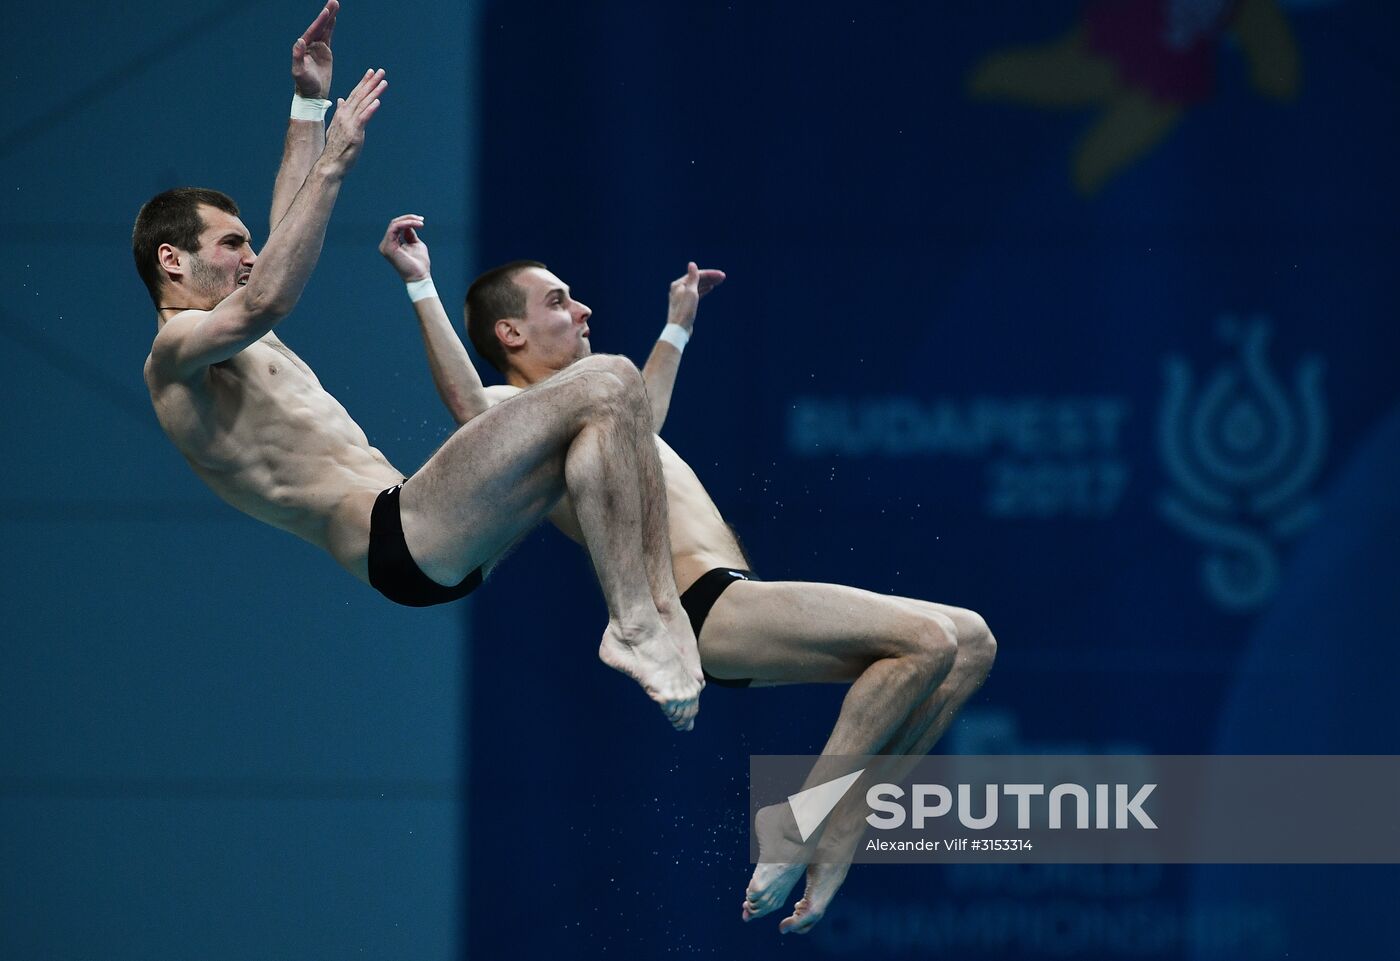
263, 433
700, 539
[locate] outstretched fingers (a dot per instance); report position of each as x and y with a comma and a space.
701, 280
323, 26
329, 30
346, 134
708, 280
371, 100
371, 85
363, 101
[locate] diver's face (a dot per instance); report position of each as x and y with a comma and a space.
555, 325
225, 257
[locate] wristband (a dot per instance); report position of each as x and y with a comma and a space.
675, 335
421, 289
309, 108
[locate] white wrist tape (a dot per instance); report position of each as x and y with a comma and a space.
421, 289
309, 108
675, 335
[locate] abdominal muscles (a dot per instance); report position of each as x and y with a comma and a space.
268, 438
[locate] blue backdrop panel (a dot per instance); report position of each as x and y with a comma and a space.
213, 742
1111, 365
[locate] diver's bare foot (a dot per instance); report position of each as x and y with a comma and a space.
823, 881
649, 657
677, 623
781, 861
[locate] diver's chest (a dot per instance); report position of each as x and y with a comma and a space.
267, 375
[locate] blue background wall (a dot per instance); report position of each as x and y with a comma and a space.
213, 743
938, 369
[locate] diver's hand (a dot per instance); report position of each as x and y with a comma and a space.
311, 55
686, 293
403, 247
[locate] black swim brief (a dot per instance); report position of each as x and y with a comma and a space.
392, 570
701, 596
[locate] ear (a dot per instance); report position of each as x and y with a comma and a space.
171, 260
509, 333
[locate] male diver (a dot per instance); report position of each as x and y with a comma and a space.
911, 664
255, 424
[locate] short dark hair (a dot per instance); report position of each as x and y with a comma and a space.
171, 218
492, 296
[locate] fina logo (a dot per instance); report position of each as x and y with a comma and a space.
1242, 455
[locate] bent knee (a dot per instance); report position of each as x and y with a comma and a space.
975, 640
616, 367
933, 644
612, 381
